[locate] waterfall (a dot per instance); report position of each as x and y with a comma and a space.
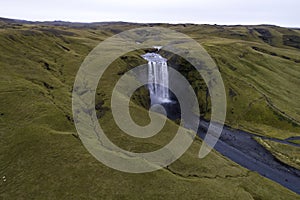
157, 73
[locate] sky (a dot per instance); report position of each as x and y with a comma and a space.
277, 12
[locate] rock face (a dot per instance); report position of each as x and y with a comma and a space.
194, 78
265, 35
291, 40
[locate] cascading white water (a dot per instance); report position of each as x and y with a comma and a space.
157, 73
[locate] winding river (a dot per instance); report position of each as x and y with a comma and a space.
239, 146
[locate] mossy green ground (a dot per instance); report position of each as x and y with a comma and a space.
42, 158
283, 152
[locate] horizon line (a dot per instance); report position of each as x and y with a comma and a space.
134, 22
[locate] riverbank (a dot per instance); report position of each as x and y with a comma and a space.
241, 147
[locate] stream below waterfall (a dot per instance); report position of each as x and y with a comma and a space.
239, 146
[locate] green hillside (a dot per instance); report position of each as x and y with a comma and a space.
42, 157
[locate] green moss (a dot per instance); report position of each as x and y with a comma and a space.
286, 153
42, 158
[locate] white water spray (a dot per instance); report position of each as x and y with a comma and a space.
157, 73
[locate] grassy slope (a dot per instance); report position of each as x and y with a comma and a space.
261, 73
283, 152
40, 157
265, 86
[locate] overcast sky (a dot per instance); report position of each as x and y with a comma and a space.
279, 12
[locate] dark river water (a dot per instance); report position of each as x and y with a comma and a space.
239, 146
